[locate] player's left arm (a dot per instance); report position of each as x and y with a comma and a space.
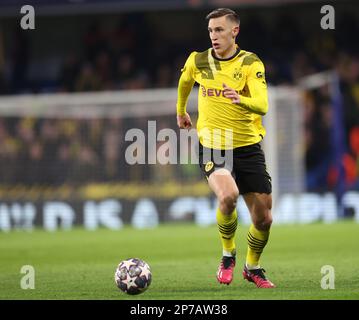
257, 86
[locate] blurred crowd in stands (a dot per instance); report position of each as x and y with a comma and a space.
56, 151
131, 56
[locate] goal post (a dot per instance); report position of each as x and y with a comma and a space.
284, 140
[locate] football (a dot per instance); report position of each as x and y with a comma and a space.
133, 276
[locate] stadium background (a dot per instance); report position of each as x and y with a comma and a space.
59, 169
93, 70
63, 164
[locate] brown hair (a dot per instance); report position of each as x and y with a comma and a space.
220, 12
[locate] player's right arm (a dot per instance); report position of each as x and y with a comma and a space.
185, 85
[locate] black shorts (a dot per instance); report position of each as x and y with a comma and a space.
246, 164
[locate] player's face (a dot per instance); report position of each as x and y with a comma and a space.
222, 33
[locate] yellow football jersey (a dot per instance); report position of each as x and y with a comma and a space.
217, 115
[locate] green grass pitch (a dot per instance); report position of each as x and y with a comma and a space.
80, 264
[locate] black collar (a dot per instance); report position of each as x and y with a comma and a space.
226, 59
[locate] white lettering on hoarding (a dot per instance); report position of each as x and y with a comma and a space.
290, 208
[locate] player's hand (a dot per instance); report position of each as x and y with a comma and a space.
184, 122
231, 94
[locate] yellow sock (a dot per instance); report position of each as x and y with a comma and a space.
227, 226
257, 240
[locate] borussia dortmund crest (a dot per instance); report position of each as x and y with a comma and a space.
209, 166
237, 74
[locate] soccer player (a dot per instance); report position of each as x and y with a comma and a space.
232, 98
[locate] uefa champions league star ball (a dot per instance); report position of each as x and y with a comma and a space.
133, 276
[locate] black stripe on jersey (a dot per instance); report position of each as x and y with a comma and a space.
241, 54
247, 61
217, 65
202, 64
